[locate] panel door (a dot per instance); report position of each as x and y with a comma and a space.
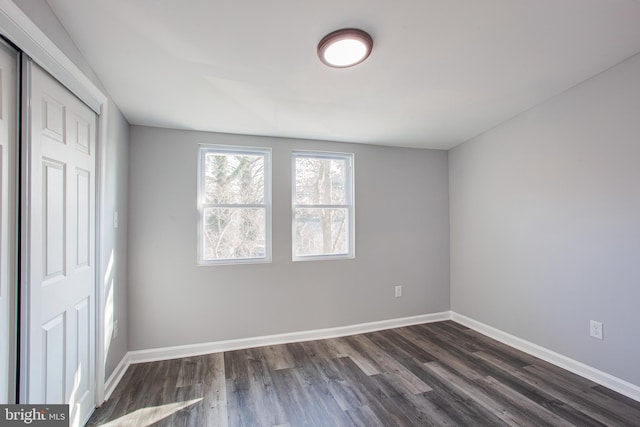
61, 272
8, 180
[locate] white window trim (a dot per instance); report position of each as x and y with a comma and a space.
266, 152
349, 192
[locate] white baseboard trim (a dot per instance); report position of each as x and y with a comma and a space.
166, 353
616, 384
115, 377
141, 356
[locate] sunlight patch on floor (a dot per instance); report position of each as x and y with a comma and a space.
147, 416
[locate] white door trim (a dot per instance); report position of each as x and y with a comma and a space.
9, 180
16, 26
25, 218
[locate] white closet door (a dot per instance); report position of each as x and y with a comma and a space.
61, 252
8, 179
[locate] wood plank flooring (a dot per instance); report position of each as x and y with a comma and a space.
436, 374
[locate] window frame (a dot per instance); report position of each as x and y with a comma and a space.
349, 195
203, 150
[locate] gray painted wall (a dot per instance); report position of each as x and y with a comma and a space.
113, 242
402, 238
545, 223
114, 185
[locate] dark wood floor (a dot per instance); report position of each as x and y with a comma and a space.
426, 375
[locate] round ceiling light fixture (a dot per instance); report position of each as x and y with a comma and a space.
345, 48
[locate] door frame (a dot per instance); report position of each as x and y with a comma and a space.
10, 229
18, 28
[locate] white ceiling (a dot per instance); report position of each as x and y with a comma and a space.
441, 71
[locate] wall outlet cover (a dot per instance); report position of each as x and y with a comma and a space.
595, 329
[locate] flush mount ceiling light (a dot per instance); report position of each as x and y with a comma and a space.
345, 48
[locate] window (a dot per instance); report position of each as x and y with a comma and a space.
322, 206
234, 201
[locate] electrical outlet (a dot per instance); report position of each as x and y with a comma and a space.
398, 291
595, 329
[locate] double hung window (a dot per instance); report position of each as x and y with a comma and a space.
234, 201
323, 213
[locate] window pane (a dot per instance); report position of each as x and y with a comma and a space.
233, 178
320, 181
234, 233
321, 231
